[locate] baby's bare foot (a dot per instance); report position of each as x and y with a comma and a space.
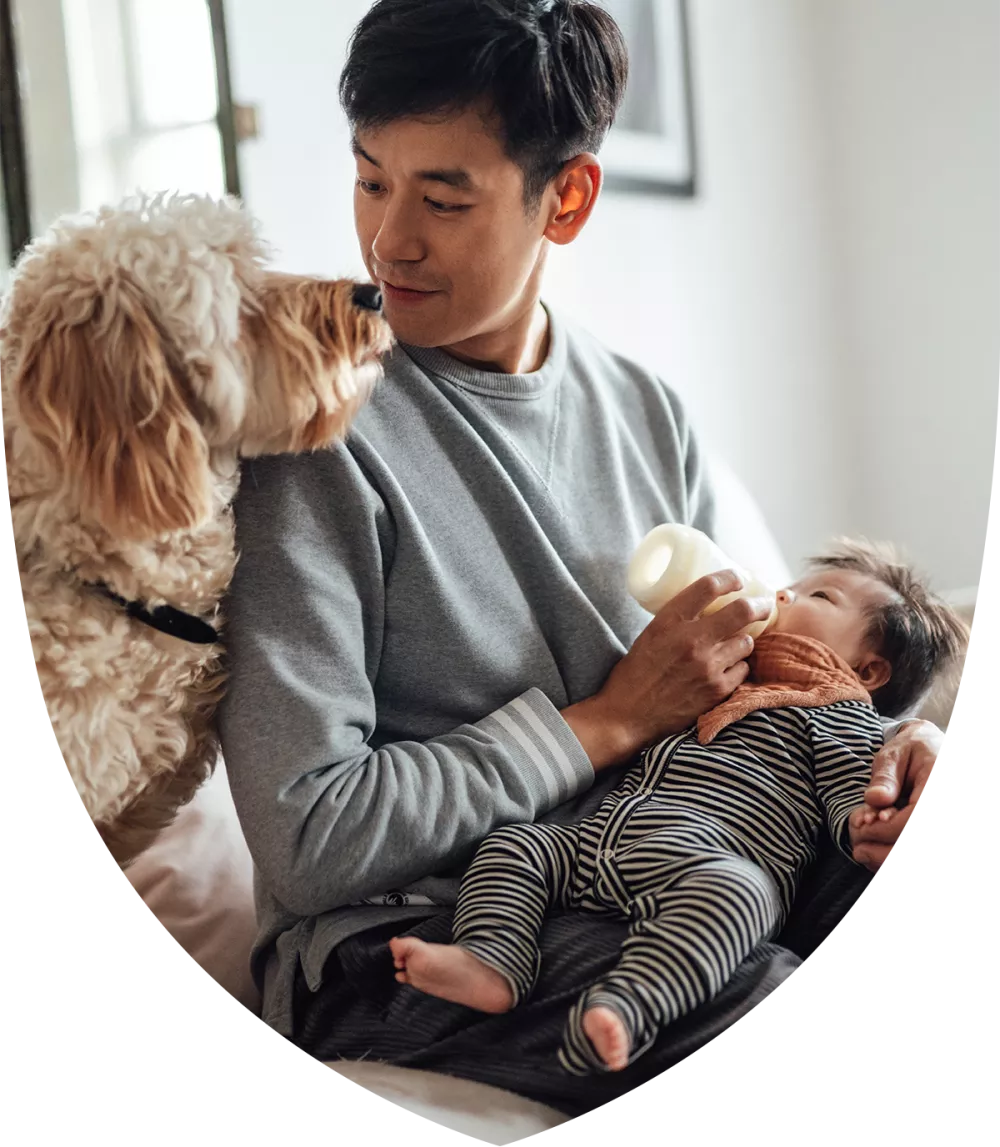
606, 1031
450, 973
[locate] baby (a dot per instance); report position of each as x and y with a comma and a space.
702, 845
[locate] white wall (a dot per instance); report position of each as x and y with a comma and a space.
298, 178
828, 303
728, 295
914, 168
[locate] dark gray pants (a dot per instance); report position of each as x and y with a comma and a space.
361, 1012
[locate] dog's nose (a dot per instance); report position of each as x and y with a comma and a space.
368, 297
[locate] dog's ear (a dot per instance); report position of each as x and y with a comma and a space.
112, 413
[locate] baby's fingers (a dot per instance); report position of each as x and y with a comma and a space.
863, 815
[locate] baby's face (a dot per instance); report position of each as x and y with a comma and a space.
832, 606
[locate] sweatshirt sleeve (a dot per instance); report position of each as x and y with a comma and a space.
331, 815
891, 726
845, 740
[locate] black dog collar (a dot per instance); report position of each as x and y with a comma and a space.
165, 618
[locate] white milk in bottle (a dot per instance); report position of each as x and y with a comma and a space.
671, 557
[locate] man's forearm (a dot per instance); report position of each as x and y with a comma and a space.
326, 835
605, 742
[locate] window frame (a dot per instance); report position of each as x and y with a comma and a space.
17, 200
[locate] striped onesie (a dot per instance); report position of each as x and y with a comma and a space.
700, 847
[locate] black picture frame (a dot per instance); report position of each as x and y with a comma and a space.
651, 148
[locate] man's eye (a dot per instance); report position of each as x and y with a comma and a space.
446, 208
368, 187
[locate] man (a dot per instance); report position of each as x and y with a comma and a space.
429, 631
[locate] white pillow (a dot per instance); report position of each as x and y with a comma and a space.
197, 879
740, 529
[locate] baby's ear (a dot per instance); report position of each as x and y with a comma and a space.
874, 672
111, 410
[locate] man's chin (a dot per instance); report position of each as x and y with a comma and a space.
417, 331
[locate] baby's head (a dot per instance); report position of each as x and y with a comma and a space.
877, 614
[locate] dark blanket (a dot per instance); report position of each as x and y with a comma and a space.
361, 1012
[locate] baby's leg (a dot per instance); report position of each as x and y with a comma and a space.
518, 874
678, 954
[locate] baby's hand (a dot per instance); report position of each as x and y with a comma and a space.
863, 817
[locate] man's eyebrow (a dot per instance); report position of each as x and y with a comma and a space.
452, 177
455, 177
359, 150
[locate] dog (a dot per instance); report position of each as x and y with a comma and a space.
144, 350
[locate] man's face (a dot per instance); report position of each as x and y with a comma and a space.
440, 217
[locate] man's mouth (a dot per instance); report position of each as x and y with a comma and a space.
401, 294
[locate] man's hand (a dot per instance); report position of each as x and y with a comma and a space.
899, 773
681, 665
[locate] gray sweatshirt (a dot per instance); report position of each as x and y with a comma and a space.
410, 612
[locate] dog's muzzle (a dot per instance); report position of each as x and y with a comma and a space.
368, 297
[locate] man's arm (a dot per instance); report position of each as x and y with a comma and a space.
899, 774
328, 819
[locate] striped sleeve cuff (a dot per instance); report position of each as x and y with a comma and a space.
838, 824
543, 748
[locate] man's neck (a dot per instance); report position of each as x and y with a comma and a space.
519, 347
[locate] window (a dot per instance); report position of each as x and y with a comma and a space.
101, 98
143, 89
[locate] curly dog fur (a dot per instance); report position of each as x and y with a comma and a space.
145, 349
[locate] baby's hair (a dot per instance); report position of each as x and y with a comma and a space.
917, 632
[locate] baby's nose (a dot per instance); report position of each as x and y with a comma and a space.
786, 596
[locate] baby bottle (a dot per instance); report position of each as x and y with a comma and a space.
671, 557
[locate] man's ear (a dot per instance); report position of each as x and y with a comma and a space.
874, 671
571, 197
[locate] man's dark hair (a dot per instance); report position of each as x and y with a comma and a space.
916, 632
552, 72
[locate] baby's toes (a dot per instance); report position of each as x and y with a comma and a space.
401, 948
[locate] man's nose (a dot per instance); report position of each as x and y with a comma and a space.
397, 240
